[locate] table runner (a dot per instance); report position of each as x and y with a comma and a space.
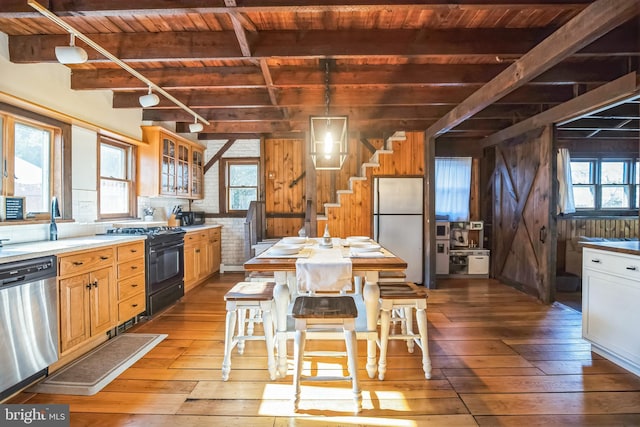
325, 270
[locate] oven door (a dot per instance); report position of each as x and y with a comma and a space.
166, 265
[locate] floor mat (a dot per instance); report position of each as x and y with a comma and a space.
93, 371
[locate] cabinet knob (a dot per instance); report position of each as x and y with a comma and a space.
632, 268
134, 267
104, 258
134, 285
134, 305
88, 285
78, 262
597, 261
133, 251
95, 284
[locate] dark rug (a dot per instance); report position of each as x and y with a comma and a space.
90, 373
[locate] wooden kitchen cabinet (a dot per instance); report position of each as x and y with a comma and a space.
169, 165
87, 296
130, 281
201, 256
215, 248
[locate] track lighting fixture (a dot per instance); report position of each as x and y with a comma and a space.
196, 126
149, 100
71, 54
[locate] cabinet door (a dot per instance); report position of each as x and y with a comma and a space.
168, 167
101, 300
216, 249
197, 174
74, 306
610, 313
189, 265
183, 163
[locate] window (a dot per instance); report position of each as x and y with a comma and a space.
32, 165
241, 183
27, 160
116, 179
453, 187
603, 184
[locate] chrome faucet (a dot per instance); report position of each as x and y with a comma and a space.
55, 211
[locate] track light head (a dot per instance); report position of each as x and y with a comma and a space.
149, 100
196, 126
71, 54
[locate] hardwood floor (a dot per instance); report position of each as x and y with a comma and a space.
500, 358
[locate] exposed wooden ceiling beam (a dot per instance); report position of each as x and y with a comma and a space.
346, 96
12, 8
513, 112
608, 94
597, 71
594, 21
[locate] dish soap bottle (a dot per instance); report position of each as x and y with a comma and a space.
326, 237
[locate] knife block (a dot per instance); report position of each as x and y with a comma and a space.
173, 221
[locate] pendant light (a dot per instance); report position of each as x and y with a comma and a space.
328, 134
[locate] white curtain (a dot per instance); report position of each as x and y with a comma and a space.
453, 187
566, 204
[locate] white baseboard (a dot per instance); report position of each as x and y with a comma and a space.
230, 267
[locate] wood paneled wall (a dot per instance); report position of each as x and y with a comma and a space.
284, 202
613, 228
354, 216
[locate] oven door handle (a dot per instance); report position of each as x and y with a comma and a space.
165, 247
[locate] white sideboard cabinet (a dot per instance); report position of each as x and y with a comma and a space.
611, 306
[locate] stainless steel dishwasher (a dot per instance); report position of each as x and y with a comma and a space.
28, 321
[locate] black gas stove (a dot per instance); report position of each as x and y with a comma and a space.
164, 256
150, 232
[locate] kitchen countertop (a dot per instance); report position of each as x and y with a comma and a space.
631, 247
23, 251
190, 228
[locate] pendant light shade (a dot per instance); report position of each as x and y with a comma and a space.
71, 54
149, 100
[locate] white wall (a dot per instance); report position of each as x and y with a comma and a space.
49, 85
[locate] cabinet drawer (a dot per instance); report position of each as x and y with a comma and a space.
130, 268
612, 262
195, 236
72, 264
131, 251
131, 307
131, 286
214, 234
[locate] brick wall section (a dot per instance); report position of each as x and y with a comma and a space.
232, 228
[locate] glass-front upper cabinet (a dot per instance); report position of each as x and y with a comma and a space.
166, 165
197, 174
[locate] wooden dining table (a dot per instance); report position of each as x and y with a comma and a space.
367, 268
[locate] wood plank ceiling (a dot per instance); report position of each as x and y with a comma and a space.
257, 67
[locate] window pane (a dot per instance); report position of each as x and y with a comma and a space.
240, 198
114, 197
583, 197
243, 175
612, 173
32, 175
113, 161
615, 196
582, 172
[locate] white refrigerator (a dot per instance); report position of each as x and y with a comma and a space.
398, 220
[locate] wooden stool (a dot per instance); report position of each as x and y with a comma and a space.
317, 313
242, 297
407, 296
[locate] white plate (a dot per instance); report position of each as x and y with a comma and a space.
368, 247
284, 249
358, 239
294, 240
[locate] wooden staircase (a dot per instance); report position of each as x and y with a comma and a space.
352, 214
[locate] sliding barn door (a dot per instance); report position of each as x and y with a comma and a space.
523, 238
